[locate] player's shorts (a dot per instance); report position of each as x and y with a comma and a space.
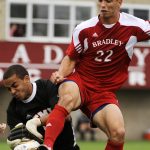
91, 100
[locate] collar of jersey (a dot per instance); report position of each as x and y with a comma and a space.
32, 95
109, 25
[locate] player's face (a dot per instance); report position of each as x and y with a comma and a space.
21, 89
109, 10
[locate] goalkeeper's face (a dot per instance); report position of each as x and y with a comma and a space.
21, 89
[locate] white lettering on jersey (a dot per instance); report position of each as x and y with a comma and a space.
106, 42
100, 53
42, 113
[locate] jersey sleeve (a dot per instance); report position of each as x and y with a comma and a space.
143, 32
50, 92
77, 44
12, 117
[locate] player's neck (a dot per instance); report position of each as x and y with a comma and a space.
30, 89
109, 20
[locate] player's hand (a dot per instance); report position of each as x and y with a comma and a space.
19, 134
2, 127
13, 142
32, 125
27, 145
56, 77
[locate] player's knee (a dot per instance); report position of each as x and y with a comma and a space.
117, 134
68, 102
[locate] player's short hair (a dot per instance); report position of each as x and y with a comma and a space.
17, 69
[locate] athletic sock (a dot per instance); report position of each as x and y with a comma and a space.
54, 125
111, 145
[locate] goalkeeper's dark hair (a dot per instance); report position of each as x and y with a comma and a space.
17, 69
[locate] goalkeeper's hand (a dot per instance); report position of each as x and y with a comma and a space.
19, 134
32, 125
12, 139
27, 145
12, 144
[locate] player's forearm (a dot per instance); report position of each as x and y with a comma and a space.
67, 66
44, 119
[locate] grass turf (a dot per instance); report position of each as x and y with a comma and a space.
130, 145
88, 145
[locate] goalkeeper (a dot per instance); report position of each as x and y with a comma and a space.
32, 102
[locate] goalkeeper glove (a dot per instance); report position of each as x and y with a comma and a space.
14, 142
28, 145
32, 125
20, 134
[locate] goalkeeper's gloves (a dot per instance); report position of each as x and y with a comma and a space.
20, 134
15, 141
32, 125
28, 145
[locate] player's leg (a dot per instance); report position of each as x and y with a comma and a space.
110, 120
69, 100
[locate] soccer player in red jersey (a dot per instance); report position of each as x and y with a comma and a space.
95, 66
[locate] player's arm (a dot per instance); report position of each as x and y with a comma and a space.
13, 118
66, 67
44, 119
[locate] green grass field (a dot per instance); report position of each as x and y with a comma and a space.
132, 145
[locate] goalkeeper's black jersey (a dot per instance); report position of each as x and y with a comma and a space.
43, 98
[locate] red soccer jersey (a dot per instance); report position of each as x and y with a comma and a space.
103, 52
